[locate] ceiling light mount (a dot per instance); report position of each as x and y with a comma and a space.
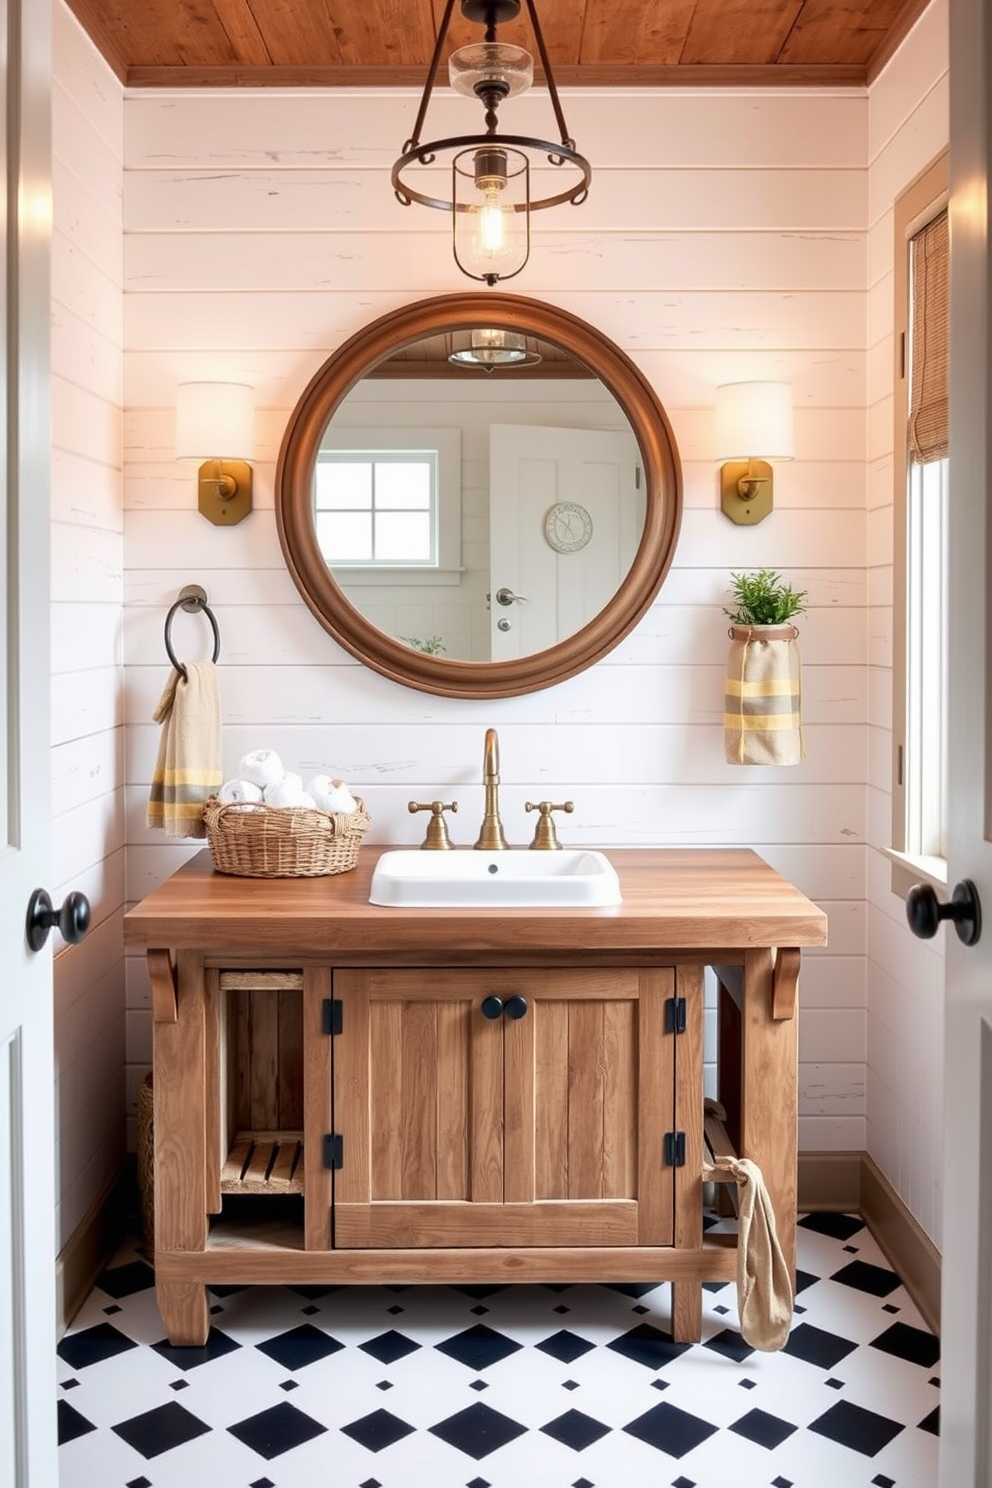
490, 173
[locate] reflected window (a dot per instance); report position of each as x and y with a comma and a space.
377, 507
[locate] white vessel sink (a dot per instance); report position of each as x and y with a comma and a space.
514, 879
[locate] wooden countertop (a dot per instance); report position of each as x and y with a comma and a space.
689, 899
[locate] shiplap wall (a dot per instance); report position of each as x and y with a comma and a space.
908, 127
724, 239
86, 584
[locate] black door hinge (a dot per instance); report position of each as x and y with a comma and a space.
333, 1015
675, 1015
333, 1151
674, 1149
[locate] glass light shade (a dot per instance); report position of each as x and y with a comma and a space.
495, 348
491, 218
215, 420
754, 421
470, 68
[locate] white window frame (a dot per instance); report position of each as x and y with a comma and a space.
919, 601
446, 444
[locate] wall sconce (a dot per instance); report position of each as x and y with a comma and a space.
215, 423
753, 427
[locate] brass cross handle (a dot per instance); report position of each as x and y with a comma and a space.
545, 836
437, 839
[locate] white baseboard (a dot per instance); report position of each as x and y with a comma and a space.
87, 1251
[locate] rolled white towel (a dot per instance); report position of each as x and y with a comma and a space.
331, 795
262, 767
238, 792
287, 793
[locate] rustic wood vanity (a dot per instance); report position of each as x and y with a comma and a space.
350, 1093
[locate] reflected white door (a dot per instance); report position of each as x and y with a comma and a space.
564, 577
966, 1302
28, 1456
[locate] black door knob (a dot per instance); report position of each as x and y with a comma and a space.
71, 919
492, 1007
515, 1007
925, 912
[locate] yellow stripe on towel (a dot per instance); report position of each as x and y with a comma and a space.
771, 687
756, 722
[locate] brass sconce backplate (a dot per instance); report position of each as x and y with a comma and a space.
224, 491
746, 491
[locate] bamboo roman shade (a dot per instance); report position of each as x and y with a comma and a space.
930, 333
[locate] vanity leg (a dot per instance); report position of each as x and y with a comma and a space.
769, 1096
687, 1311
183, 1305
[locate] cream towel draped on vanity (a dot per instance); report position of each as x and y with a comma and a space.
189, 764
764, 1287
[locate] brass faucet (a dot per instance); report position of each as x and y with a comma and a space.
491, 835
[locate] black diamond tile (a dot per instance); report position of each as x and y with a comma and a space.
798, 1310
817, 1346
479, 1293
377, 1430
479, 1483
730, 1344
93, 1345
142, 1483
659, 1384
396, 1309
374, 1483
225, 1291
313, 1293
782, 1483
834, 1384
214, 1311
915, 1345
934, 1381
630, 1288
583, 1483
310, 1311
747, 1384
217, 1345
570, 1385
71, 1384
565, 1346
765, 1430
877, 1281
71, 1424
854, 1427
646, 1345
881, 1481
276, 1430
479, 1311
477, 1431
388, 1347
300, 1346
124, 1281
670, 1430
890, 1307
721, 1311
384, 1385
805, 1279
262, 1483
931, 1422
640, 1309
837, 1226
556, 1286
851, 1249
576, 1430
179, 1384
714, 1286
561, 1308
288, 1385
109, 1311
478, 1386
159, 1430
681, 1482
478, 1347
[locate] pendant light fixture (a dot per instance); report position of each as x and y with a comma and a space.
496, 180
490, 349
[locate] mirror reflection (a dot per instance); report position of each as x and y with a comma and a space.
479, 495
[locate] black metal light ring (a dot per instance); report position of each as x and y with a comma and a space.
469, 141
189, 605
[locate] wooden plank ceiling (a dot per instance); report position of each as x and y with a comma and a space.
376, 43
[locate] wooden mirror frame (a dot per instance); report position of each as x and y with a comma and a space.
436, 674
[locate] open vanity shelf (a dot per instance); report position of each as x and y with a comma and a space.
349, 1093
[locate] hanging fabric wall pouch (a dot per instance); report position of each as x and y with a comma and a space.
762, 715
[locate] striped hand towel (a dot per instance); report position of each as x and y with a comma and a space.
189, 764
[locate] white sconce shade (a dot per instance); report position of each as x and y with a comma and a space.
753, 427
215, 424
215, 420
754, 418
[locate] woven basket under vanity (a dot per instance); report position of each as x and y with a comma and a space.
283, 841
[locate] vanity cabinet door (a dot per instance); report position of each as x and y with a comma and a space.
544, 1129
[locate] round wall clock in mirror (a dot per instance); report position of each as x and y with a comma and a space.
414, 490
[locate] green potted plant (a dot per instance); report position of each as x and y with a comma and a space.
762, 717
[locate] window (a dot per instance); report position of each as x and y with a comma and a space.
922, 478
388, 499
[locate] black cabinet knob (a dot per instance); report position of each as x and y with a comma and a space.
492, 1007
515, 1007
71, 919
925, 912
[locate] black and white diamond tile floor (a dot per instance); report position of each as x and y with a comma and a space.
505, 1387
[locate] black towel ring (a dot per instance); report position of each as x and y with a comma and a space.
191, 599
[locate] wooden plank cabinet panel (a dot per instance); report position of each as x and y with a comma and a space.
408, 1226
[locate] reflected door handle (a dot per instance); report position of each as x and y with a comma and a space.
925, 912
71, 919
506, 596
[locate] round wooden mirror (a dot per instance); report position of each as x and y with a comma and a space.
330, 596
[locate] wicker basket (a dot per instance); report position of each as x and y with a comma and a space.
283, 841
